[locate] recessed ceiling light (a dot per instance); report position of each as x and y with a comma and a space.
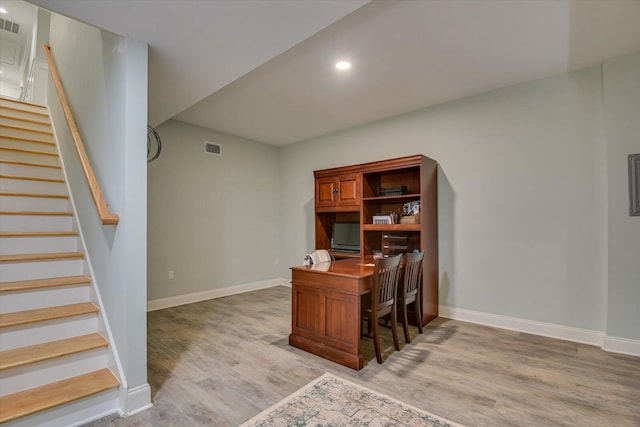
343, 65
3, 10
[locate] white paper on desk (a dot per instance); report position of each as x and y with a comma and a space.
321, 266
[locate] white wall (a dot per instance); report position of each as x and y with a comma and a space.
105, 78
213, 220
522, 196
622, 118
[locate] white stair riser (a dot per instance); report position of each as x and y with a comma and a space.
25, 133
24, 377
38, 204
35, 223
26, 145
19, 156
38, 245
33, 171
33, 123
31, 186
16, 107
38, 333
40, 270
74, 413
11, 302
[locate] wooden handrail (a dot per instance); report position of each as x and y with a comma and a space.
107, 217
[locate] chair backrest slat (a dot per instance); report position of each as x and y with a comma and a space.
412, 274
385, 278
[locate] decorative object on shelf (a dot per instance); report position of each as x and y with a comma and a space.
410, 219
395, 191
384, 218
411, 208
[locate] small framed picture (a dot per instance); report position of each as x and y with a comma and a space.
634, 184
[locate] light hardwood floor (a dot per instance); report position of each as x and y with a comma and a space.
220, 362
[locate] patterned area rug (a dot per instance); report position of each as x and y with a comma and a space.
332, 401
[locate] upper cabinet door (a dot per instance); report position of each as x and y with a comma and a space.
349, 190
338, 191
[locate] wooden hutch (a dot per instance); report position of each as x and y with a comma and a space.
357, 193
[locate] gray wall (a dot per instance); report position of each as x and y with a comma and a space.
105, 78
522, 196
622, 118
213, 220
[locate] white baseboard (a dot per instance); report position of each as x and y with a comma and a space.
551, 330
136, 399
161, 303
622, 345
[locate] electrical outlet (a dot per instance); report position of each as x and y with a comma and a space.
170, 275
277, 261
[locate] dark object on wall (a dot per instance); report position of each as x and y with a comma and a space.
634, 184
153, 140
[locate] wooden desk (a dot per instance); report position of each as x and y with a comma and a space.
325, 309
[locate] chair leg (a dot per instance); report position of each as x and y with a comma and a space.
418, 312
394, 327
405, 324
376, 344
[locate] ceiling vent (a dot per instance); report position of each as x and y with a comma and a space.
211, 148
12, 27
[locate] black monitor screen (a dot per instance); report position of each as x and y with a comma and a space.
346, 236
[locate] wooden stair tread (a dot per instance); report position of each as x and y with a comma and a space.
37, 165
39, 213
43, 132
50, 350
31, 140
24, 285
37, 399
23, 119
23, 111
19, 103
38, 233
40, 195
40, 257
32, 178
49, 313
22, 150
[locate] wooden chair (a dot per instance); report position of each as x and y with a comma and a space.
383, 300
409, 291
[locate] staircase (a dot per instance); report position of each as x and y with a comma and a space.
55, 363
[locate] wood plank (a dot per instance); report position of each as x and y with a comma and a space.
38, 213
32, 178
25, 285
41, 132
32, 140
38, 195
49, 313
28, 402
37, 165
22, 119
19, 103
38, 233
40, 257
51, 350
24, 151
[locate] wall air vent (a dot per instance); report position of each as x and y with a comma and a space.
212, 148
12, 27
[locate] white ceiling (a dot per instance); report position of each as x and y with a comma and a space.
263, 70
